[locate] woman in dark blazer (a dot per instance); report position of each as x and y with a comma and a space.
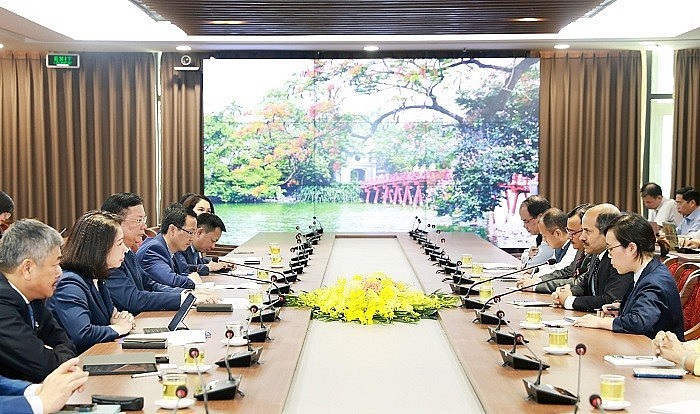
653, 304
81, 303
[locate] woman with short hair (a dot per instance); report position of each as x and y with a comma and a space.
653, 303
81, 302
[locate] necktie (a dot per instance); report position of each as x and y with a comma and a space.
31, 315
593, 270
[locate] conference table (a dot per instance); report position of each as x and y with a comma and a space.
270, 385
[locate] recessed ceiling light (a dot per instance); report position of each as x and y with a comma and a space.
529, 19
227, 22
562, 46
183, 48
1, 45
371, 48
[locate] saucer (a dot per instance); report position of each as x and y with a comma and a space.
192, 369
170, 404
528, 325
615, 405
557, 351
235, 341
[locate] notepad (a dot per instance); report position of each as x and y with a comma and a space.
638, 361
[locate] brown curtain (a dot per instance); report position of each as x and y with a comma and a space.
590, 128
182, 128
686, 119
71, 137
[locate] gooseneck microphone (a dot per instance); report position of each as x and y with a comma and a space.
473, 304
221, 389
580, 351
515, 360
596, 402
180, 393
194, 354
274, 272
549, 394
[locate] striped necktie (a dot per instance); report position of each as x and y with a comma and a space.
593, 270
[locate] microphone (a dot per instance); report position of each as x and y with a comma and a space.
279, 289
243, 358
580, 351
273, 315
517, 361
223, 389
194, 354
262, 334
549, 394
596, 402
319, 228
180, 393
474, 304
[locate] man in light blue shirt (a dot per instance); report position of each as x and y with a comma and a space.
689, 206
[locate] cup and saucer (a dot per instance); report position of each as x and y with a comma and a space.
192, 369
530, 325
615, 405
557, 350
235, 341
171, 403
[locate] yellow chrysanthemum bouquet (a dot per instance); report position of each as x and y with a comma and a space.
371, 298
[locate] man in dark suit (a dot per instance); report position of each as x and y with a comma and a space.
131, 288
32, 342
156, 254
601, 284
209, 229
22, 397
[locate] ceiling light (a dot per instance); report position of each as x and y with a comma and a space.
183, 48
528, 19
1, 45
227, 22
562, 46
371, 48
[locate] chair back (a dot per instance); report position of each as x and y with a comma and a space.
690, 300
682, 273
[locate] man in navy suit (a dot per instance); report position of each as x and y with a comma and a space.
601, 284
22, 397
131, 288
156, 254
209, 229
32, 342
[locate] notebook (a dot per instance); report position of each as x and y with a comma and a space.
126, 363
671, 234
177, 319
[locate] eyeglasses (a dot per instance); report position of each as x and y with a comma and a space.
610, 249
142, 220
573, 233
527, 221
190, 232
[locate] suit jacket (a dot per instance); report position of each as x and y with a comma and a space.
12, 397
190, 257
155, 259
561, 277
131, 289
83, 310
609, 286
22, 351
652, 305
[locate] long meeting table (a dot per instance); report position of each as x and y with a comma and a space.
267, 385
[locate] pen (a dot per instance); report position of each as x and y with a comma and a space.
634, 357
145, 374
243, 252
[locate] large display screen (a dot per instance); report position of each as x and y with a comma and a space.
368, 145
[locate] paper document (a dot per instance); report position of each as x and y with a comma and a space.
680, 407
557, 323
236, 303
529, 303
638, 361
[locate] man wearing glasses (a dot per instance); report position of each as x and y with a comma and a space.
530, 212
601, 284
576, 268
156, 254
131, 288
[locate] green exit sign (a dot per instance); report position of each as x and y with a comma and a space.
62, 60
